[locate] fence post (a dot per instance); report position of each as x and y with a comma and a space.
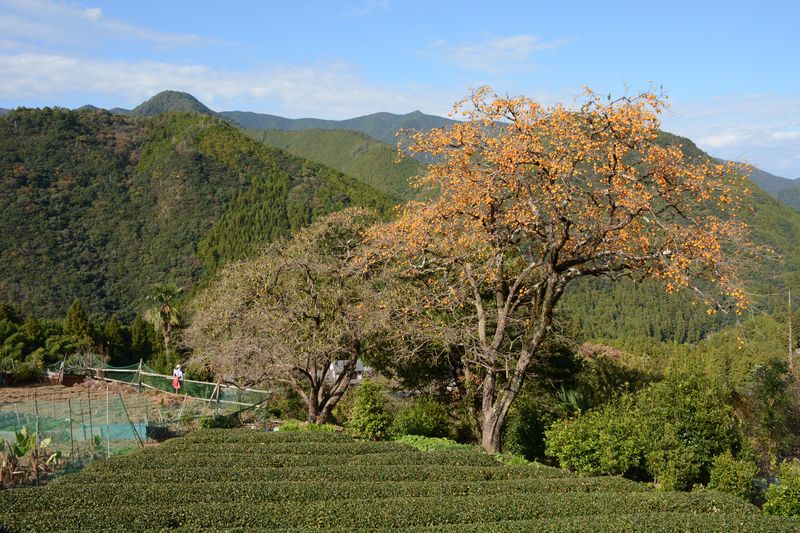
108, 428
139, 370
71, 437
91, 425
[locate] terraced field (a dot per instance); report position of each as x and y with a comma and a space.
240, 480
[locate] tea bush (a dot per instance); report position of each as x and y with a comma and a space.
239, 480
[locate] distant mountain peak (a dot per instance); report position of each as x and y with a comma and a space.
166, 101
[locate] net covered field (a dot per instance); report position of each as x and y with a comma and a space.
244, 480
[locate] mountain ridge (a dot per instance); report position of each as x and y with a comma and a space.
101, 207
166, 101
384, 127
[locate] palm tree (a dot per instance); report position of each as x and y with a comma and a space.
164, 314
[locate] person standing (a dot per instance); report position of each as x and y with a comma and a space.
177, 378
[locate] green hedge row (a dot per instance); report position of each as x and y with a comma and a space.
298, 448
384, 513
411, 457
96, 495
321, 474
321, 448
242, 436
650, 522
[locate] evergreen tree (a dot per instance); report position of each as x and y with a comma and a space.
141, 333
115, 341
76, 322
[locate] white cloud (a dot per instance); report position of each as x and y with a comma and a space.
47, 22
786, 135
496, 54
722, 140
326, 91
93, 13
761, 129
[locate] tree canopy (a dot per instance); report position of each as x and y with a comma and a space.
294, 314
534, 197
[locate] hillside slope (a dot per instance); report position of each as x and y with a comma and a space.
100, 207
380, 126
300, 481
352, 153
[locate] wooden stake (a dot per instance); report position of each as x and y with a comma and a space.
133, 426
183, 404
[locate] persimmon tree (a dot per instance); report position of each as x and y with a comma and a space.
287, 315
532, 197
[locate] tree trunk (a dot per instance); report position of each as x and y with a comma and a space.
491, 431
313, 412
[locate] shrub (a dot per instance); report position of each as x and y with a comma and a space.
425, 417
218, 421
672, 430
783, 497
734, 476
601, 441
369, 415
286, 403
26, 373
531, 414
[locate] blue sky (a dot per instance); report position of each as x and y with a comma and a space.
730, 69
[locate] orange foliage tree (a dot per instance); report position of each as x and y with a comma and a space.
529, 198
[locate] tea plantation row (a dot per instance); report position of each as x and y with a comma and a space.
250, 481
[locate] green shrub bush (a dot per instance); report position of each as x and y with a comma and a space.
783, 497
369, 415
26, 373
669, 432
218, 421
734, 476
531, 414
601, 441
425, 417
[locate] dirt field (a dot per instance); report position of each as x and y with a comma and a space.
94, 389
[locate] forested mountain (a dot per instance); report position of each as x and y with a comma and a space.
770, 182
602, 310
4, 111
381, 126
350, 152
790, 196
100, 207
166, 101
